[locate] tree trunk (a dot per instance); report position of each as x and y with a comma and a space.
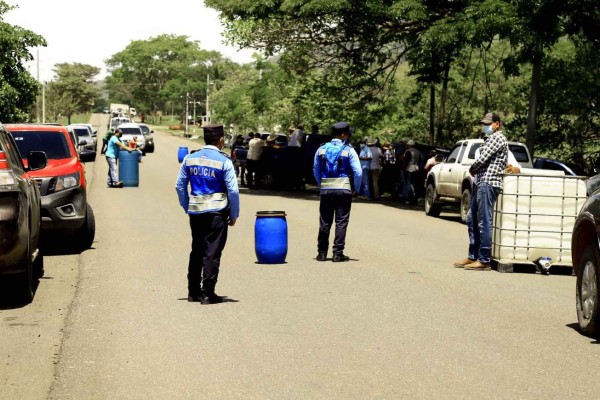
536, 75
431, 113
442, 110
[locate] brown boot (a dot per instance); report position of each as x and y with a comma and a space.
463, 262
478, 266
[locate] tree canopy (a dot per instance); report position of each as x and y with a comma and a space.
18, 89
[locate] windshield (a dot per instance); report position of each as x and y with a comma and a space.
54, 144
130, 131
145, 129
81, 132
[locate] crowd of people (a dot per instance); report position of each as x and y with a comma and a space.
397, 170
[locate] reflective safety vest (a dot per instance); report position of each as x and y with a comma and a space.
207, 181
335, 167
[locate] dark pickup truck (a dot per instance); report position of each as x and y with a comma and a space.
20, 216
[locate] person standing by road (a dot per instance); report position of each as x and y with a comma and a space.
112, 153
212, 205
375, 167
365, 163
412, 159
105, 140
487, 170
255, 149
297, 137
337, 171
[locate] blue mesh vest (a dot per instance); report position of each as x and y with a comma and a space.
335, 167
207, 182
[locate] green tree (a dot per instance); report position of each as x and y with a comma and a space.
73, 89
18, 89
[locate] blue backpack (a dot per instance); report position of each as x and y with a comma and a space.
331, 161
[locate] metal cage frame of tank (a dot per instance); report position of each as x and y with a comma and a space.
567, 218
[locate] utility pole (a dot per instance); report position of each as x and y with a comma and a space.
44, 103
187, 95
207, 104
194, 102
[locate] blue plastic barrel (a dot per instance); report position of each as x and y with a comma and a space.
181, 153
270, 237
129, 168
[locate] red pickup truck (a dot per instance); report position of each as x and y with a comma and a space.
62, 182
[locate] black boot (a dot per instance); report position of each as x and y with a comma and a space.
322, 256
340, 257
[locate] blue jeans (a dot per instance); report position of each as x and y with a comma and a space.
479, 222
112, 171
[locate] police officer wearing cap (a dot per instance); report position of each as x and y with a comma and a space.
212, 204
338, 172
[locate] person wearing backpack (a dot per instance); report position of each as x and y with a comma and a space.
338, 173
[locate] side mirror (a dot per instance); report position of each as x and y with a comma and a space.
151, 131
36, 160
87, 156
440, 158
95, 133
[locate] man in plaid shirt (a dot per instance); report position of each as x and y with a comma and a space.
487, 171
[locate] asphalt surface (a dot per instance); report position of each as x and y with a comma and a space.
396, 322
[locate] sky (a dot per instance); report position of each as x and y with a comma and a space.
90, 32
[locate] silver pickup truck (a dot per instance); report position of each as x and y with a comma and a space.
450, 181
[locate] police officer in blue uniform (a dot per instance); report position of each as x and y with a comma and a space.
212, 204
338, 173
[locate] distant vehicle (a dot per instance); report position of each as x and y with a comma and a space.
132, 130
450, 181
116, 121
93, 132
556, 165
106, 110
149, 148
62, 183
132, 111
20, 215
119, 110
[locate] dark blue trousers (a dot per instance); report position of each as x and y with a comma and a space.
334, 204
209, 235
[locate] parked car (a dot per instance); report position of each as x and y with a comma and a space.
62, 182
585, 255
149, 138
93, 132
450, 181
20, 215
132, 130
556, 165
85, 140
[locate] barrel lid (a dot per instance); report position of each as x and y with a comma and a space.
271, 214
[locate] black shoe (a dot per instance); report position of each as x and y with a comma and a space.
340, 258
211, 298
194, 299
321, 256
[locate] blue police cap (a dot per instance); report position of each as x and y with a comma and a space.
340, 127
213, 131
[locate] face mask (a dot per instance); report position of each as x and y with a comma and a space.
487, 130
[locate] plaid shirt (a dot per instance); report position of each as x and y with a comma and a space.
491, 162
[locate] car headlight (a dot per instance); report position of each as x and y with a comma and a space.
66, 182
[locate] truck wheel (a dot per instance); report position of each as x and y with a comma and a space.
24, 280
87, 232
432, 208
465, 204
587, 292
267, 180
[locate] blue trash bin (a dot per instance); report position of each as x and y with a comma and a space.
129, 168
270, 237
181, 153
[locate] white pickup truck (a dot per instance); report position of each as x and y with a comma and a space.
450, 181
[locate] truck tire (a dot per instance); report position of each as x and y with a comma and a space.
432, 208
588, 312
465, 204
24, 280
87, 232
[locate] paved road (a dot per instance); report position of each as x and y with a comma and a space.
397, 322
